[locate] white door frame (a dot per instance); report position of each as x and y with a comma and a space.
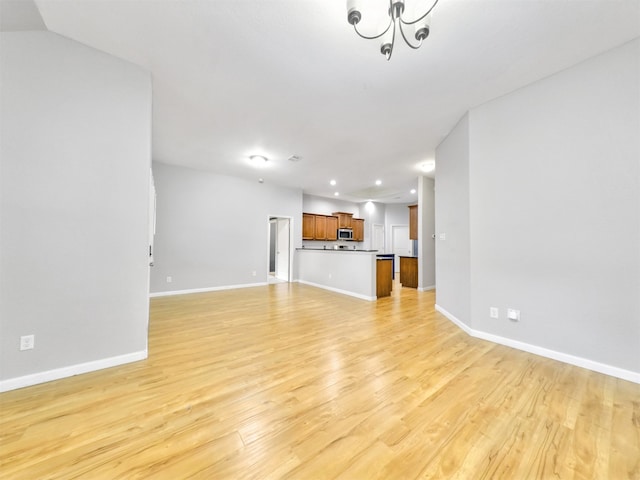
289, 254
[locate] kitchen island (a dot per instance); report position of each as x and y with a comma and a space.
350, 272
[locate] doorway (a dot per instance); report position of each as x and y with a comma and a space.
400, 243
279, 249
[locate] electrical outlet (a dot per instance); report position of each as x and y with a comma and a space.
493, 312
169, 279
253, 273
513, 314
330, 276
27, 342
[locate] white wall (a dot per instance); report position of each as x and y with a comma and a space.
326, 206
75, 157
453, 265
554, 193
426, 230
212, 230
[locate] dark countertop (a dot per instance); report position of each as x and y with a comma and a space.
408, 256
338, 249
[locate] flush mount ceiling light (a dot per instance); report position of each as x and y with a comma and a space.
428, 166
378, 182
258, 160
413, 190
332, 182
419, 26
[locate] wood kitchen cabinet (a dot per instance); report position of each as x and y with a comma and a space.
358, 229
384, 277
321, 227
344, 219
308, 226
332, 228
409, 271
413, 222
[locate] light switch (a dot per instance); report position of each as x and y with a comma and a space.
513, 314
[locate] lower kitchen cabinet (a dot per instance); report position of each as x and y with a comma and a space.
409, 271
384, 277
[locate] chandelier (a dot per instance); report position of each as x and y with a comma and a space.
420, 26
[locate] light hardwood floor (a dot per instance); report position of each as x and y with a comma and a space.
289, 381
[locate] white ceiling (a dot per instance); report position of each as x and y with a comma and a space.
285, 77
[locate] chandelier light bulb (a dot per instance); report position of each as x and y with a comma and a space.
422, 28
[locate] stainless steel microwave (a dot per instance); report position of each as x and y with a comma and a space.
345, 234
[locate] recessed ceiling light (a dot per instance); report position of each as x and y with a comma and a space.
378, 182
261, 180
413, 190
336, 194
332, 182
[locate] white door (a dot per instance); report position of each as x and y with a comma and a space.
377, 237
400, 242
282, 249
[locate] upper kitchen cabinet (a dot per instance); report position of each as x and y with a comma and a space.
308, 226
332, 228
321, 227
413, 222
358, 229
344, 219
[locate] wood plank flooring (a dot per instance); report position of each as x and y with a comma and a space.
289, 381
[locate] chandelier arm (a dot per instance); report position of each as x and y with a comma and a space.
366, 37
413, 22
415, 47
393, 40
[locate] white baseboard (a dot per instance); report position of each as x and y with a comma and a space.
337, 290
426, 289
70, 371
545, 352
208, 289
